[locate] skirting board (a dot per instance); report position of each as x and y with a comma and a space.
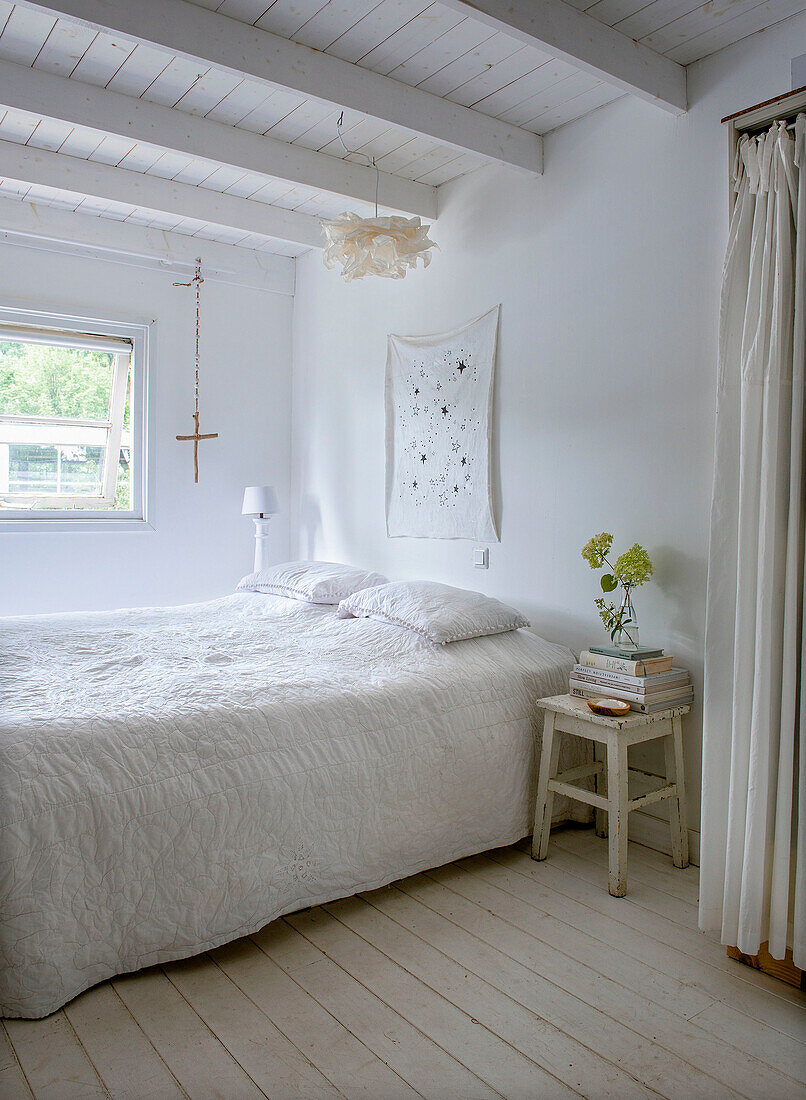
782, 969
653, 832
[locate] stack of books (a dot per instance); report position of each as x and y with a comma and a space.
644, 678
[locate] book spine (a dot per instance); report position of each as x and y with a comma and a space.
641, 707
627, 654
582, 687
641, 684
587, 672
653, 708
612, 664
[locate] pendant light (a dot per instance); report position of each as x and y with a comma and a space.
387, 247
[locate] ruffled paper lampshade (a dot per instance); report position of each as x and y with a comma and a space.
387, 247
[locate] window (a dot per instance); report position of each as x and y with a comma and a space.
71, 419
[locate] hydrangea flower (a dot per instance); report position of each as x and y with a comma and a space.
634, 566
596, 549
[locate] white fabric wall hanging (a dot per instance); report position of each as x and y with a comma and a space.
439, 393
753, 852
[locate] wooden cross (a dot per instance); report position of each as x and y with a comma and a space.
196, 281
196, 437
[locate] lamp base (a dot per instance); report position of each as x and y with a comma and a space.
261, 543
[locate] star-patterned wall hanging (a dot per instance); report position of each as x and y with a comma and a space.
438, 432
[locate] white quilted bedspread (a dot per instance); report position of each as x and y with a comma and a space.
173, 778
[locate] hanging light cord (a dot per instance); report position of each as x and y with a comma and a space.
357, 153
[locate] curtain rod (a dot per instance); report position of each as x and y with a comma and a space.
769, 103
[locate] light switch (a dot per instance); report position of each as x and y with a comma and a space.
481, 557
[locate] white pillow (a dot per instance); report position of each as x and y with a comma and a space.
440, 613
313, 581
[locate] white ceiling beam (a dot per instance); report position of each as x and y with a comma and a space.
31, 225
586, 43
186, 30
55, 97
103, 181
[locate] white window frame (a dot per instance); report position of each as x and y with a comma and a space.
115, 336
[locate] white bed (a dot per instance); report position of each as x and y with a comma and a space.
173, 778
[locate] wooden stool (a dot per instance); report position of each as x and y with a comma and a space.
571, 714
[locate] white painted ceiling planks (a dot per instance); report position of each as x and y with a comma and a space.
440, 49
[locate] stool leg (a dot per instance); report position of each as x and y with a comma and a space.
673, 749
549, 758
600, 755
618, 814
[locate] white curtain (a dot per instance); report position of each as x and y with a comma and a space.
753, 845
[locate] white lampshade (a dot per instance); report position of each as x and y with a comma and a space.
388, 247
260, 500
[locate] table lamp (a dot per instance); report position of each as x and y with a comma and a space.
261, 503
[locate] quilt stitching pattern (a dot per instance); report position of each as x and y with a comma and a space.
172, 778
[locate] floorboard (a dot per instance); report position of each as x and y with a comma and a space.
276, 1066
195, 1055
481, 1052
385, 919
13, 1085
346, 1061
53, 1060
633, 913
414, 1056
652, 868
492, 977
654, 1022
123, 1056
498, 952
527, 906
752, 1009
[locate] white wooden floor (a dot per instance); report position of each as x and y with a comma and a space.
494, 976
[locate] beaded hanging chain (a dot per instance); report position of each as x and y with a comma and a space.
196, 436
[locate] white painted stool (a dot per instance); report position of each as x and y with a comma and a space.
571, 714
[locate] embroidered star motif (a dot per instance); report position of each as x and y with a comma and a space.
456, 488
422, 458
462, 366
464, 461
416, 391
414, 483
444, 410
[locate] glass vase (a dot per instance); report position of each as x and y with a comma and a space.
626, 637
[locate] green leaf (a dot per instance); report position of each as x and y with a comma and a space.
608, 582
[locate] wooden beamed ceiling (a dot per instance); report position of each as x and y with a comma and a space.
587, 44
45, 95
188, 31
103, 181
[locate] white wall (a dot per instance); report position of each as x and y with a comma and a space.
608, 271
200, 544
